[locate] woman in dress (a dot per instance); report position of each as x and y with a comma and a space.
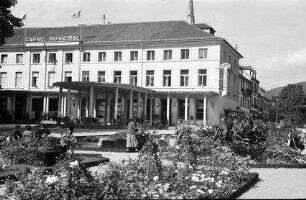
131, 141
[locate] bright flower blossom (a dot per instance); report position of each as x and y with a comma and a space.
155, 178
51, 179
74, 164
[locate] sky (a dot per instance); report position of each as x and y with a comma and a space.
270, 34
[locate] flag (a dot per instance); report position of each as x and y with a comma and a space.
76, 15
24, 17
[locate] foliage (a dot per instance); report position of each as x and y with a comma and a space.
7, 20
17, 152
243, 135
42, 184
291, 103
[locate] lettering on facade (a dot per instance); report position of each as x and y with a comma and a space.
65, 38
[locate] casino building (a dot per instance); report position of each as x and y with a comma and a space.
166, 70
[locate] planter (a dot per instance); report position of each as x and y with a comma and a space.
49, 157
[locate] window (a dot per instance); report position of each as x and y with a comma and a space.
203, 53
167, 78
3, 79
18, 80
202, 81
35, 76
52, 58
235, 63
102, 56
167, 54
36, 58
86, 57
101, 76
133, 77
134, 56
224, 55
117, 76
19, 58
150, 78
199, 109
184, 54
68, 58
68, 76
150, 55
51, 79
4, 58
85, 76
184, 77
230, 60
117, 56
221, 81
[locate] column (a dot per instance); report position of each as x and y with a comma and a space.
204, 110
131, 104
30, 105
44, 105
69, 103
13, 106
47, 103
9, 104
79, 103
168, 109
64, 106
151, 109
60, 96
145, 106
106, 107
94, 105
109, 97
116, 103
186, 108
123, 118
91, 98
138, 105
87, 110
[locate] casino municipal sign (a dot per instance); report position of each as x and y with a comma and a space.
66, 38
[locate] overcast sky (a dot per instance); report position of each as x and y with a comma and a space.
270, 34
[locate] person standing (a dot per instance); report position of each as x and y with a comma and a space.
27, 135
131, 141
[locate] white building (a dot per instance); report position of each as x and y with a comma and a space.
181, 70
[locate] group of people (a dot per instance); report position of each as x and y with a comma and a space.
28, 135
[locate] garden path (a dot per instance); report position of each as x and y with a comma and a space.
280, 183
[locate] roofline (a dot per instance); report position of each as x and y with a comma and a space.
224, 40
211, 38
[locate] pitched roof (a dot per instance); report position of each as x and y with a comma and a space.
144, 31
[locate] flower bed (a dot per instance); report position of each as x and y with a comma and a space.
207, 171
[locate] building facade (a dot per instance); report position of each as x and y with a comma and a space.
168, 70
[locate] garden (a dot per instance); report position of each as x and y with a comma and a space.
196, 162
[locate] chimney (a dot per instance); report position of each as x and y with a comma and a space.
190, 17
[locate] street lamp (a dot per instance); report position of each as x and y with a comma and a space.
276, 109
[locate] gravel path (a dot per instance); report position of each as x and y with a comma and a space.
281, 183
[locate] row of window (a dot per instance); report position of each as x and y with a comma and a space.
184, 77
102, 56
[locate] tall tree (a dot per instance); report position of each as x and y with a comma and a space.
7, 20
291, 103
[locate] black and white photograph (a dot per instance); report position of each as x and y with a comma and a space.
152, 99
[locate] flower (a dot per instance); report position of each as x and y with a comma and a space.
200, 191
74, 164
210, 191
166, 187
51, 179
193, 187
177, 146
155, 178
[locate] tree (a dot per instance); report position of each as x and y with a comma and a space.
291, 103
7, 20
